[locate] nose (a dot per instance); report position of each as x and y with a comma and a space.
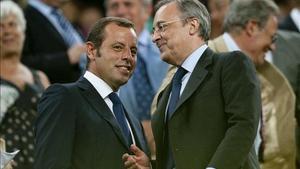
121, 11
127, 54
5, 30
155, 36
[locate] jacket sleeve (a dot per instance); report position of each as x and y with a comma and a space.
54, 129
242, 100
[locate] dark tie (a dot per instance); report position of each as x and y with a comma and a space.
66, 26
119, 112
176, 86
144, 92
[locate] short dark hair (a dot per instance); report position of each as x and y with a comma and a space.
97, 33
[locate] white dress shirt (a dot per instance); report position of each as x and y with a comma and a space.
104, 90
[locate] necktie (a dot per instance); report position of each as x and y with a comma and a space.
69, 35
66, 26
176, 86
119, 112
143, 90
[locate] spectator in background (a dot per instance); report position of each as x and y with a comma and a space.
286, 57
87, 18
21, 3
285, 7
83, 15
292, 21
138, 93
251, 26
217, 10
20, 87
52, 44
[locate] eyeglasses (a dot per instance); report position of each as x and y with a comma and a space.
161, 27
274, 38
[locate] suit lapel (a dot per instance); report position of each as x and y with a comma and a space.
158, 119
197, 77
96, 101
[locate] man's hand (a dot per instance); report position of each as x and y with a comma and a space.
75, 52
137, 161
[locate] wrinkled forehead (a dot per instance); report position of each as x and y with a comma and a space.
166, 12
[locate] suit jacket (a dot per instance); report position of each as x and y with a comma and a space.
278, 130
288, 24
278, 113
216, 118
76, 129
46, 50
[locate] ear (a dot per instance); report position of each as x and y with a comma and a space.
91, 50
194, 26
251, 27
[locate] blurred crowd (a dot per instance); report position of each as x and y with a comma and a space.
42, 42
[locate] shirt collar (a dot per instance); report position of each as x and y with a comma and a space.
230, 43
190, 62
100, 85
295, 15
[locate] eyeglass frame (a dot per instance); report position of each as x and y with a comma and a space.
274, 38
161, 27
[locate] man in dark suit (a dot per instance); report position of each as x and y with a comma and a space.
55, 49
84, 125
214, 122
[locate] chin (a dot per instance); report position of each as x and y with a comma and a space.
259, 63
166, 57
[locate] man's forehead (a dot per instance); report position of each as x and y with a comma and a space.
165, 12
114, 29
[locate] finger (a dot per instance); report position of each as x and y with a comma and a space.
130, 161
135, 150
125, 157
134, 167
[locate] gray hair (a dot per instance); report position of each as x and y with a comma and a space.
8, 7
242, 11
192, 9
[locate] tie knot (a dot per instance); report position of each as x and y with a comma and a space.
114, 98
179, 74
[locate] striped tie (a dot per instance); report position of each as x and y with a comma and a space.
66, 27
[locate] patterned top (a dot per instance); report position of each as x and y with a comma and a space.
17, 115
